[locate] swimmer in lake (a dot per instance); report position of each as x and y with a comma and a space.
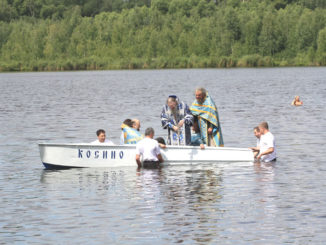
297, 101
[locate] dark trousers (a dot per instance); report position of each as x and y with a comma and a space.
151, 164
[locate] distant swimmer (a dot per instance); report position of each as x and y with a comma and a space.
297, 101
130, 132
256, 148
267, 150
208, 120
149, 150
101, 138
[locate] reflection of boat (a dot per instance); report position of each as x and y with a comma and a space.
88, 155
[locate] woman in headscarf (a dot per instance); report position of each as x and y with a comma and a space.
130, 132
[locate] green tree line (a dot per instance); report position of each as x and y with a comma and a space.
121, 34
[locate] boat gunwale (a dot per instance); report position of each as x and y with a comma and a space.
75, 145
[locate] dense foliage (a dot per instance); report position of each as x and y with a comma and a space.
113, 34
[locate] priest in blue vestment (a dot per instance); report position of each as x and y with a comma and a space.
205, 110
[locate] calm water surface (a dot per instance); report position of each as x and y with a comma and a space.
282, 203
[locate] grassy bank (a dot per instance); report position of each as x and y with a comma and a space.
157, 63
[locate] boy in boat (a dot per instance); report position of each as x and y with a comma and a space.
267, 151
177, 119
257, 134
149, 149
196, 139
208, 120
101, 138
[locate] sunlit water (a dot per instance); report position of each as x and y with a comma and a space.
238, 203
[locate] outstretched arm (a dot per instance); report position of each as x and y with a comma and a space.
268, 151
254, 148
162, 145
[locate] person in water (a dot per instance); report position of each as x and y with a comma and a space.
297, 101
267, 150
256, 148
161, 142
101, 138
177, 119
130, 132
149, 149
196, 138
208, 120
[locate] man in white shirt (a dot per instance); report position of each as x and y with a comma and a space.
149, 149
101, 138
256, 148
267, 151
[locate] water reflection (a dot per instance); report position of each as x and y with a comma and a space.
103, 179
268, 195
265, 171
213, 204
188, 200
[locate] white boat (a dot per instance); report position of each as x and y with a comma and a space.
89, 155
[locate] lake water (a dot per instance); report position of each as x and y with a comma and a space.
281, 203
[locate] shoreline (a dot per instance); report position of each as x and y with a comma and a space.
254, 61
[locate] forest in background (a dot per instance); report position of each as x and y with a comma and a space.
50, 35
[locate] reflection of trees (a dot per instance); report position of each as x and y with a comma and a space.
189, 200
205, 185
83, 178
205, 194
174, 204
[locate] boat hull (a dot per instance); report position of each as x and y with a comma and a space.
88, 155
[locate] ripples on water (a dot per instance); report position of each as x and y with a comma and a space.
238, 203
